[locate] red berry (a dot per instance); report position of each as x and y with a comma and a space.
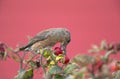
66, 60
114, 68
2, 48
110, 47
98, 65
58, 51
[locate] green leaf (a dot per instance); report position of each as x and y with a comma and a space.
20, 75
28, 74
70, 68
83, 60
5, 55
95, 49
79, 75
55, 70
76, 59
25, 74
59, 57
57, 76
103, 45
32, 64
70, 77
15, 58
40, 51
47, 53
116, 75
52, 62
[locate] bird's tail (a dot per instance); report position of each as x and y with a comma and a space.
25, 47
22, 48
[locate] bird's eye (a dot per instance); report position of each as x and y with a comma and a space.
68, 40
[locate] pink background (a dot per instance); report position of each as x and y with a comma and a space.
89, 22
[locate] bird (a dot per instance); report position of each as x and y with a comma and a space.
48, 38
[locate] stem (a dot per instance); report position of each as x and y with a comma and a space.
28, 62
21, 61
92, 72
20, 58
21, 64
41, 62
106, 56
52, 57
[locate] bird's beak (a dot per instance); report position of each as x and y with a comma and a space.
64, 49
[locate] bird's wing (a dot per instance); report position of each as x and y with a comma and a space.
39, 37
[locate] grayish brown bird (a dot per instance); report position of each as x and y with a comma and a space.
48, 38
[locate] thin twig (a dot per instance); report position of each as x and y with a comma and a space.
108, 53
92, 72
21, 60
42, 53
29, 59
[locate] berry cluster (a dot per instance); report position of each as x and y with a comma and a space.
59, 52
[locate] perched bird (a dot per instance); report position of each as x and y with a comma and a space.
48, 38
